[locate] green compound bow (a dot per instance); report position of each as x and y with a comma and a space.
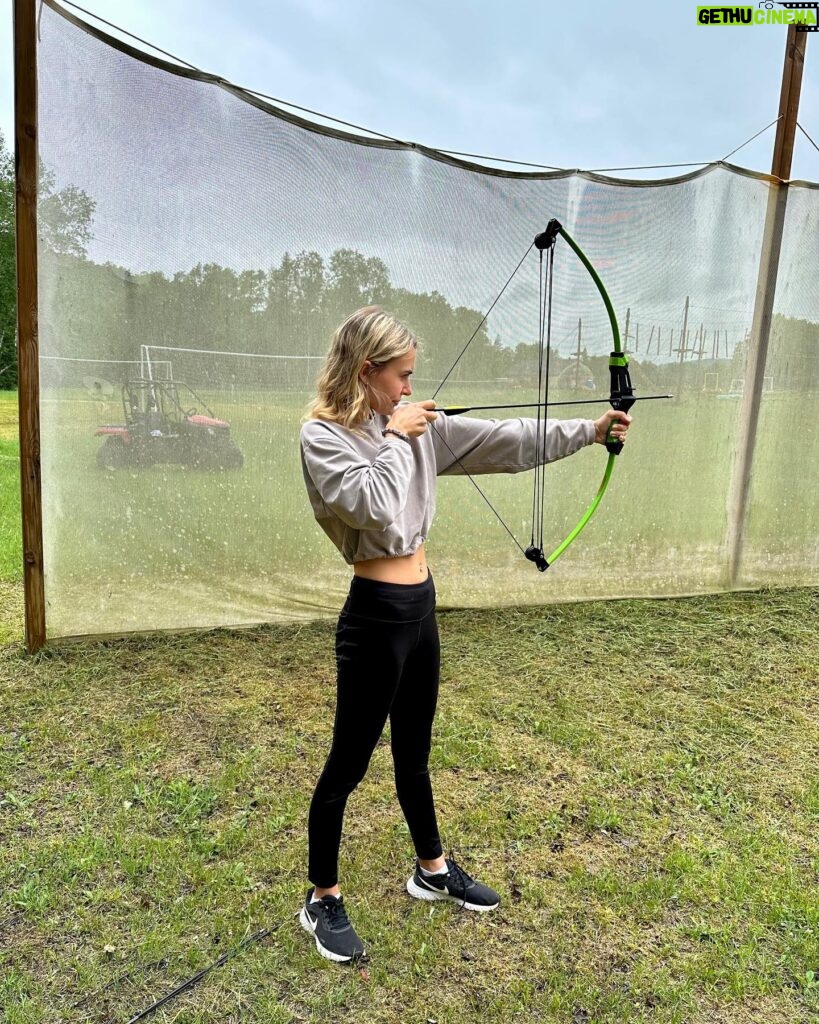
621, 397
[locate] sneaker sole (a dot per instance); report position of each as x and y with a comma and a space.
328, 954
426, 894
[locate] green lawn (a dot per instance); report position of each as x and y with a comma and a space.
11, 563
170, 546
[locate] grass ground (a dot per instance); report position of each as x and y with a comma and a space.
10, 530
637, 779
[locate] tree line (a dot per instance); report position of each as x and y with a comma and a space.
106, 312
64, 223
8, 309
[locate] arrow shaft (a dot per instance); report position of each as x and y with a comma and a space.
457, 410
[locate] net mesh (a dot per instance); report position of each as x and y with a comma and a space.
197, 248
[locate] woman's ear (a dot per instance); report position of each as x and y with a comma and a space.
365, 370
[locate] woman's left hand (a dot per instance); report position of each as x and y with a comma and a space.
612, 422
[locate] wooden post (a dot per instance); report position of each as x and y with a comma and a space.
757, 354
683, 340
25, 142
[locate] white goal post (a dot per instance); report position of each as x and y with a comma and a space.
231, 371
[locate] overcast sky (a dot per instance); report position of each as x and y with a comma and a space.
592, 85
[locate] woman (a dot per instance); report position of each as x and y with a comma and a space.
370, 464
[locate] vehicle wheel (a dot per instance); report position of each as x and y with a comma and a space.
114, 454
226, 455
231, 456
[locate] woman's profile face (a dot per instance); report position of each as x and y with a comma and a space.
389, 383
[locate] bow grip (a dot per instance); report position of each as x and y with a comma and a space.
621, 397
622, 403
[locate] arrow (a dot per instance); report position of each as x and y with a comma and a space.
457, 410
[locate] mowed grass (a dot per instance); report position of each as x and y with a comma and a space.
174, 512
636, 778
157, 546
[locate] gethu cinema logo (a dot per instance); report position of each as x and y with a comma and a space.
763, 14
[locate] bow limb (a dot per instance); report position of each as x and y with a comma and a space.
553, 229
573, 534
621, 394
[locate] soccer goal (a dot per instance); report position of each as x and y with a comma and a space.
72, 375
232, 375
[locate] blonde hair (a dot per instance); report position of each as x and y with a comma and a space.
368, 334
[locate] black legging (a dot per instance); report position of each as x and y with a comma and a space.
388, 658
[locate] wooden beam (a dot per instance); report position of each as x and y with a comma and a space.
789, 103
757, 356
25, 151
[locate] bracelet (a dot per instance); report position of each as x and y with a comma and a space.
398, 433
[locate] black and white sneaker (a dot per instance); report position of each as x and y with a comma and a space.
327, 921
452, 884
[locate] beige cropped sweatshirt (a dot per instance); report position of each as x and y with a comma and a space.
375, 498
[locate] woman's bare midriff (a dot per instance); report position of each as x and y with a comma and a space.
406, 569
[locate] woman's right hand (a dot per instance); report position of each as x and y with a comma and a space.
412, 418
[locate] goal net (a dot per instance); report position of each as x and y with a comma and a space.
230, 375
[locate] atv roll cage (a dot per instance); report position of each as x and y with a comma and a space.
167, 421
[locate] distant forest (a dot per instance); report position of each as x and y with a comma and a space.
107, 312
